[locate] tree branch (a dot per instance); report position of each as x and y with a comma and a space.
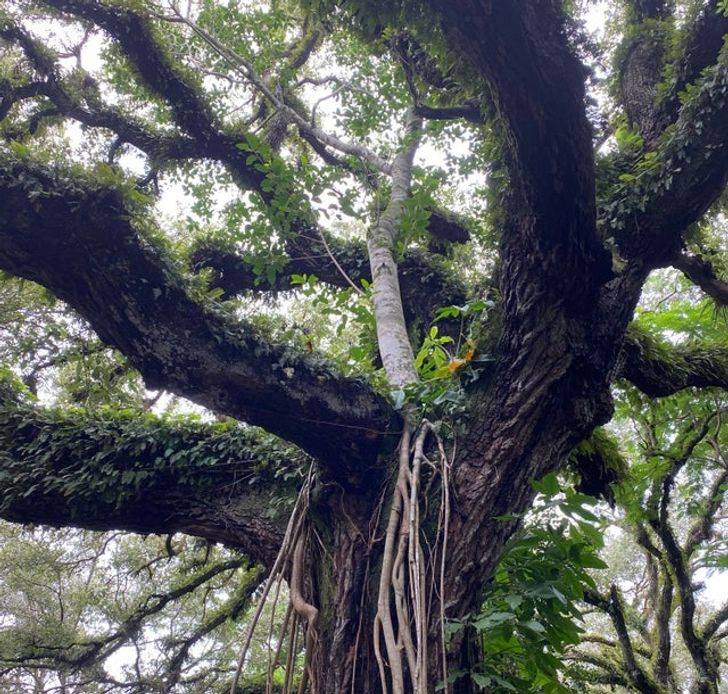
145, 475
426, 282
91, 112
468, 111
648, 214
84, 653
79, 240
231, 609
538, 90
658, 370
641, 68
612, 606
701, 46
702, 529
11, 95
715, 622
702, 273
237, 61
678, 455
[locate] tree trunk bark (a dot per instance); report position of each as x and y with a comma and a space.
344, 590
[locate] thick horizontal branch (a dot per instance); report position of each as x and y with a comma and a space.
80, 102
137, 38
141, 474
156, 68
425, 280
702, 273
469, 111
190, 110
658, 369
79, 240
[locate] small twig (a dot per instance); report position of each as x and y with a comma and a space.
358, 290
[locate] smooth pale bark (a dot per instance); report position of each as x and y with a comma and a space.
392, 337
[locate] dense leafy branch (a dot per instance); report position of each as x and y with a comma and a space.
80, 241
142, 474
675, 185
701, 45
658, 369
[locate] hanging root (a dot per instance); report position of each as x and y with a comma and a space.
404, 576
304, 610
409, 580
291, 556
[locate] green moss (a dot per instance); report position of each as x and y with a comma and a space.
599, 464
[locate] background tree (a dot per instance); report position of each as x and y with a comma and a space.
664, 634
410, 468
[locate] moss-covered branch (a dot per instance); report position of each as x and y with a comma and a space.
701, 43
632, 670
134, 472
598, 463
673, 186
658, 369
81, 240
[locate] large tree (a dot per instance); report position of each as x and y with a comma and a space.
419, 459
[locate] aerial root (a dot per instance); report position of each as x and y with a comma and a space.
404, 578
299, 612
412, 579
